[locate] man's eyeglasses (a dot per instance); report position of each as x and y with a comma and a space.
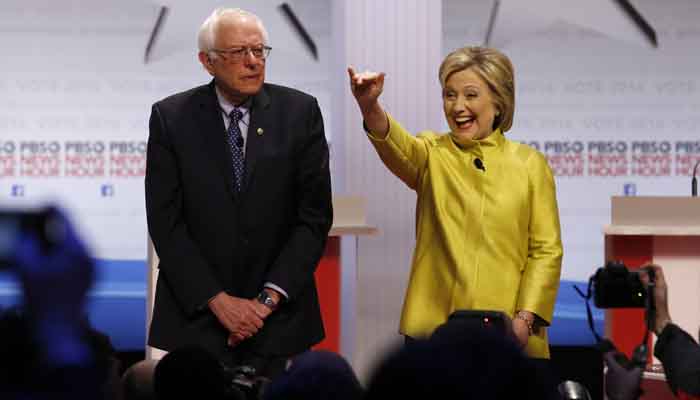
237, 54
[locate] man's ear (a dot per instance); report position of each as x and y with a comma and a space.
206, 61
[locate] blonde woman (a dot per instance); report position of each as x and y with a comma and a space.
488, 235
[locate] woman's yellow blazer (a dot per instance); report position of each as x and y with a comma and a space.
485, 239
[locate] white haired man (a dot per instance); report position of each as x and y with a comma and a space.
238, 201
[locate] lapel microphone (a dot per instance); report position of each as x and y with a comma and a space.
479, 164
694, 182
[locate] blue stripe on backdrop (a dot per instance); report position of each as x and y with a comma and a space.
570, 324
117, 306
116, 303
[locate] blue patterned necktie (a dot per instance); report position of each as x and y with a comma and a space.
235, 141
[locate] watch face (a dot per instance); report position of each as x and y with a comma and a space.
265, 299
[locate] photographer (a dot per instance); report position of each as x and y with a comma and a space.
678, 351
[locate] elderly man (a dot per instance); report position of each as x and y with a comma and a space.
238, 202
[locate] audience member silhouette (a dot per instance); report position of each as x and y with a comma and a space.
460, 360
137, 381
47, 348
316, 375
189, 372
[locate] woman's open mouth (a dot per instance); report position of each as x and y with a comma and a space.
464, 122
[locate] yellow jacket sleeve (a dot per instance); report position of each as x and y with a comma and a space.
540, 280
403, 154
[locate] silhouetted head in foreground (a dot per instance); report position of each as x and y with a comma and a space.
189, 372
460, 360
316, 375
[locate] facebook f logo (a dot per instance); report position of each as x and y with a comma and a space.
630, 189
17, 191
107, 190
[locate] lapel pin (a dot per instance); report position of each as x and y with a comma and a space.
260, 131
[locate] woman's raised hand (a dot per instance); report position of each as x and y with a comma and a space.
367, 87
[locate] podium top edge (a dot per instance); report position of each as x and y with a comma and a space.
655, 211
651, 230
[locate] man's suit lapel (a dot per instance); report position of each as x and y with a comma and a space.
261, 124
213, 133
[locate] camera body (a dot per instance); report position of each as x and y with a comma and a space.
44, 224
242, 382
614, 286
493, 320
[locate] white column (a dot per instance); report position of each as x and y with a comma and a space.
403, 39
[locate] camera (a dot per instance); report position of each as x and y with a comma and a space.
614, 286
43, 224
244, 383
495, 321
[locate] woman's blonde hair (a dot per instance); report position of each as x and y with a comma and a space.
495, 69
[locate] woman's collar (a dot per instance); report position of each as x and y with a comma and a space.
495, 139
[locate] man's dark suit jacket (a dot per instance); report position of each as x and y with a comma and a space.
210, 238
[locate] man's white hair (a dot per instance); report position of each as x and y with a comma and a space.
207, 32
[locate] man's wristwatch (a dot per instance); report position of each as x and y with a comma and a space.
265, 299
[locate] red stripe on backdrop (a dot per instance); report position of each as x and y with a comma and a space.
328, 284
